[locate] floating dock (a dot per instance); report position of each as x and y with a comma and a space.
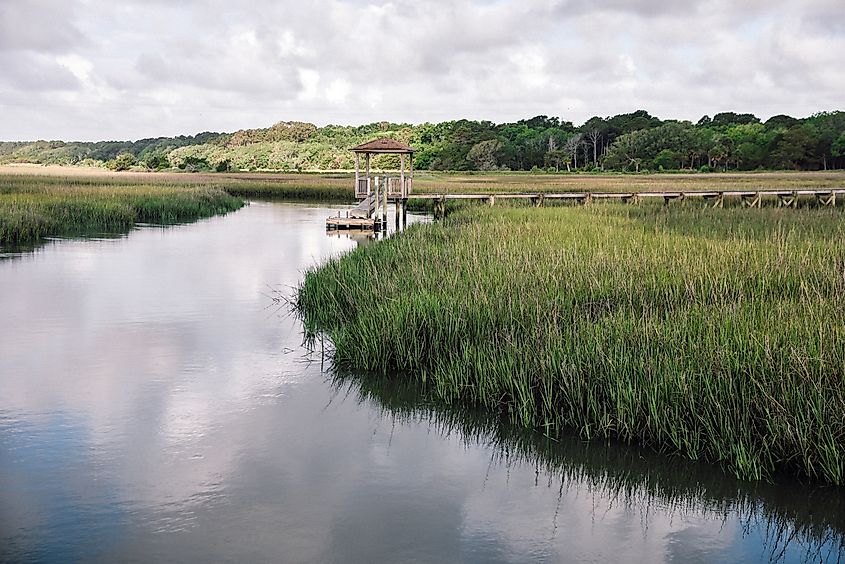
351, 223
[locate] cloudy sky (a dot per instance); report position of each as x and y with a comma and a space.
90, 69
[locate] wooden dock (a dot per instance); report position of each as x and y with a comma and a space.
714, 198
370, 212
363, 216
351, 223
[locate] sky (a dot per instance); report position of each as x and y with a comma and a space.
129, 69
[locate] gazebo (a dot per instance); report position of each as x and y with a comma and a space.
397, 188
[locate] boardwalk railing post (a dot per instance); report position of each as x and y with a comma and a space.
375, 194
384, 205
440, 207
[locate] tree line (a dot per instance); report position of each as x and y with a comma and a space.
634, 142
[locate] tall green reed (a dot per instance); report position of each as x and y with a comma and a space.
718, 334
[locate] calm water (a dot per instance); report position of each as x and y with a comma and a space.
155, 405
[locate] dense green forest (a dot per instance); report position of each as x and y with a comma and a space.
634, 142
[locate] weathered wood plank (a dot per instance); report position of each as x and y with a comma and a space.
350, 223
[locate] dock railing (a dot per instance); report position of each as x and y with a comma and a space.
714, 198
363, 188
396, 190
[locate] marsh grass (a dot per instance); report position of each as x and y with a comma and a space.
33, 208
718, 334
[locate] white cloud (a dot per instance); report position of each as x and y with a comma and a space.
153, 69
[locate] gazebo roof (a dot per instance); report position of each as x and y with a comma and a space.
382, 145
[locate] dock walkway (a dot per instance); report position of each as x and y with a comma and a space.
716, 198
362, 216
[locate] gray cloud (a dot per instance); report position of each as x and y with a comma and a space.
39, 25
155, 69
34, 72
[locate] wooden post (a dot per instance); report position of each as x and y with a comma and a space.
491, 200
401, 177
357, 172
384, 204
404, 212
375, 199
410, 177
367, 161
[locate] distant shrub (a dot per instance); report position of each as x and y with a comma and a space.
124, 161
195, 164
156, 161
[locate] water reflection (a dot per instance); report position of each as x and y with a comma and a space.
787, 520
154, 406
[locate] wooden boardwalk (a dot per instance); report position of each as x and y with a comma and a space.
361, 217
715, 198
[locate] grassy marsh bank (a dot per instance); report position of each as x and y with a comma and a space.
32, 208
42, 202
718, 334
